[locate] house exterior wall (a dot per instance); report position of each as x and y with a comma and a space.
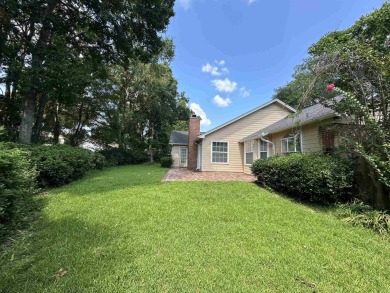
236, 131
311, 141
175, 153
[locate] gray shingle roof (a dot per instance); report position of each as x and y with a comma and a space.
311, 114
179, 137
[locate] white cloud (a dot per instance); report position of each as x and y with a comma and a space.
224, 85
216, 69
213, 70
251, 2
221, 102
244, 92
186, 4
201, 113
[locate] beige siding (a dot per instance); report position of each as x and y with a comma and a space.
310, 139
175, 153
236, 131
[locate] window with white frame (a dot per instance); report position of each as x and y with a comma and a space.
219, 152
291, 143
249, 151
263, 149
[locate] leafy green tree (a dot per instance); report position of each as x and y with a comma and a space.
303, 90
356, 61
183, 113
105, 31
138, 105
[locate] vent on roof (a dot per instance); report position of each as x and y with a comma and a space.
193, 116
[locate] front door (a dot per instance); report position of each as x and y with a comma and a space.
183, 157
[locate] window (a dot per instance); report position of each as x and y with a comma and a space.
249, 148
263, 149
220, 152
291, 143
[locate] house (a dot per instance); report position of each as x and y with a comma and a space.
270, 129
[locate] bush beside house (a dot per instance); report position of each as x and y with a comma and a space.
312, 177
166, 162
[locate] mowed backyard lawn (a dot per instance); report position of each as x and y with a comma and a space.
122, 230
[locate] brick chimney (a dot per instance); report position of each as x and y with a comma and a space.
193, 132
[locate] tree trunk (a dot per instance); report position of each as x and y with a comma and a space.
39, 119
75, 140
37, 58
57, 126
26, 126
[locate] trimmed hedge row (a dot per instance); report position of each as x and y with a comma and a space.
60, 164
118, 157
17, 187
313, 177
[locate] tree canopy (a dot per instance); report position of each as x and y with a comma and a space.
88, 71
356, 61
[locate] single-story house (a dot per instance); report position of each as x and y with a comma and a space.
270, 129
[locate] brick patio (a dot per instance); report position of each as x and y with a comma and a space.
183, 174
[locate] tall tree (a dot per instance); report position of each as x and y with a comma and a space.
183, 112
110, 31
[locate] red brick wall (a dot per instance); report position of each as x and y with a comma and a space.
193, 132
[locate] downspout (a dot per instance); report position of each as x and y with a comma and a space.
267, 141
197, 158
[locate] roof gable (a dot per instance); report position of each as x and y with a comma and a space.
308, 115
284, 105
179, 137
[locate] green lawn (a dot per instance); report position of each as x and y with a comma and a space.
122, 230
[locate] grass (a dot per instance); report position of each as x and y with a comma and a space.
122, 230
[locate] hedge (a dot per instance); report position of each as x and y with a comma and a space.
60, 164
17, 187
118, 157
314, 177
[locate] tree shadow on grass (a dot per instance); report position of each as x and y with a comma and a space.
314, 206
62, 253
33, 210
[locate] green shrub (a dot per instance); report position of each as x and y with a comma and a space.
17, 187
166, 162
314, 177
118, 157
99, 161
359, 214
60, 164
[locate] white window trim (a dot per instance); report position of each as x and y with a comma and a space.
301, 142
245, 152
263, 152
180, 148
228, 153
281, 144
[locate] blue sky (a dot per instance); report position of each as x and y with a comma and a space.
232, 54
